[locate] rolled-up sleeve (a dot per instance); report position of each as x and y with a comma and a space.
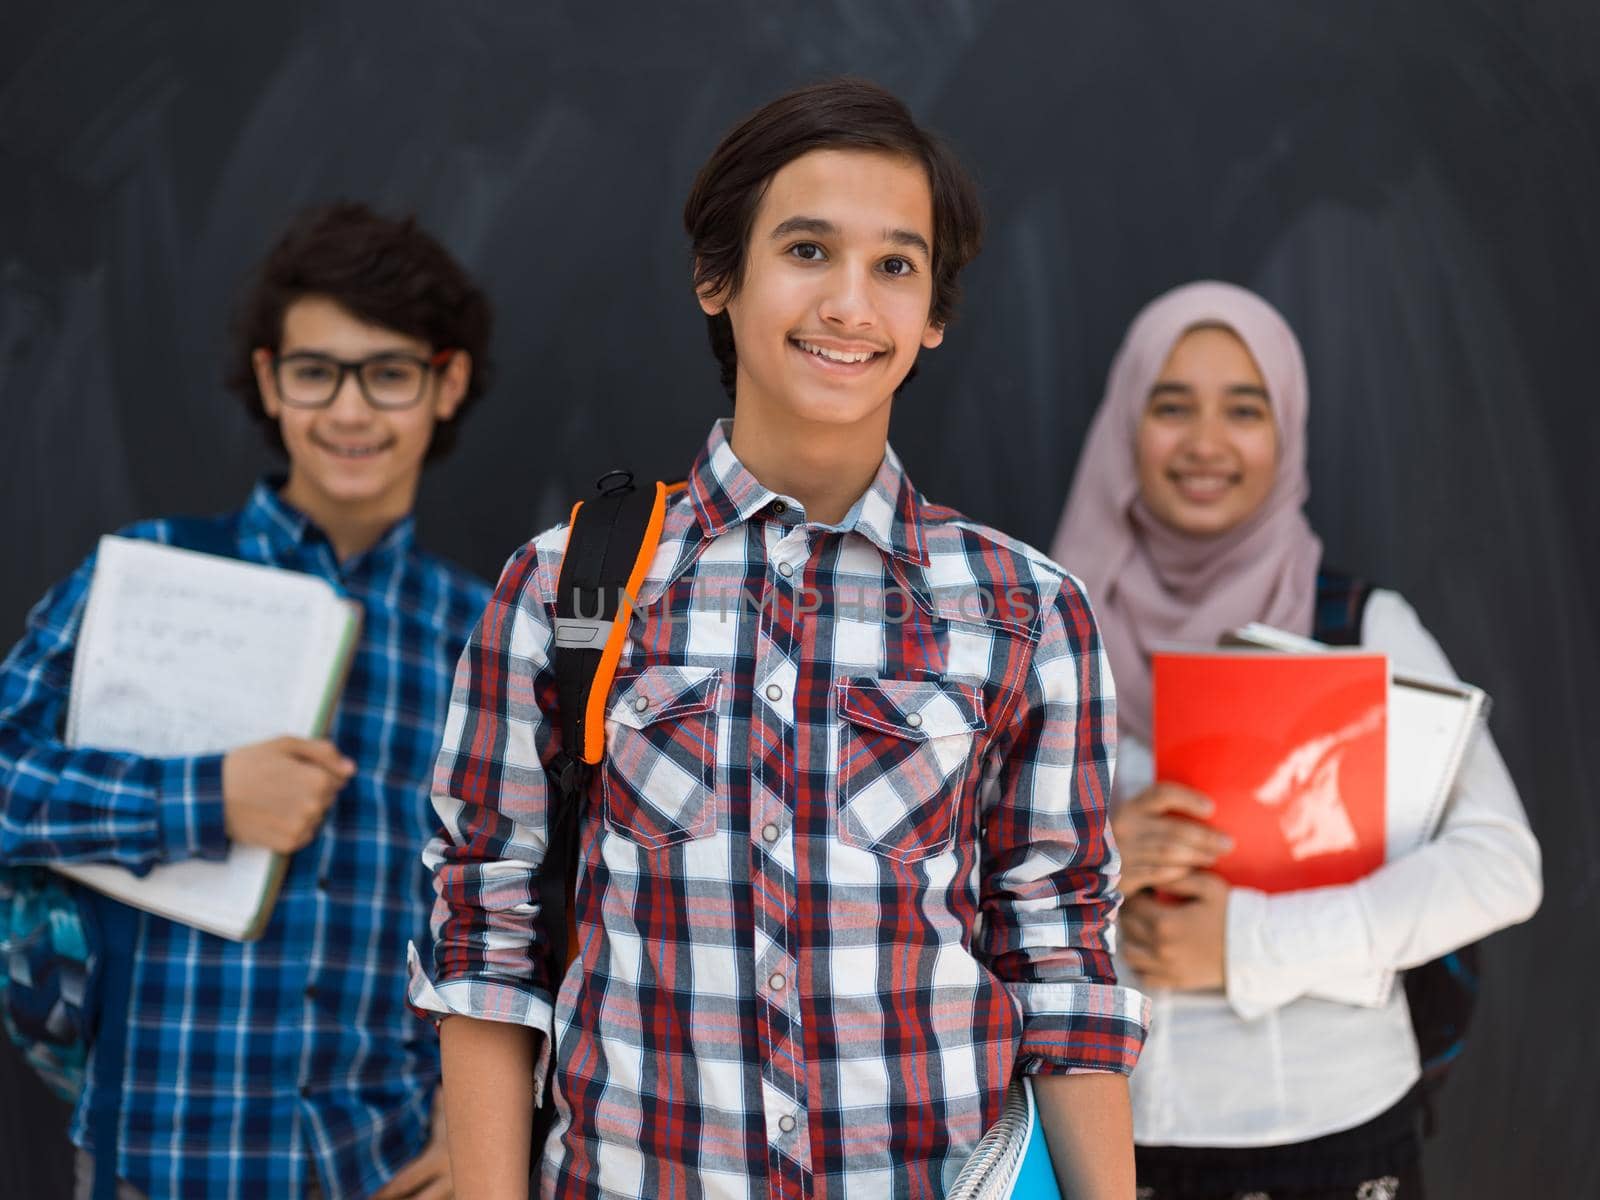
490, 792
1050, 865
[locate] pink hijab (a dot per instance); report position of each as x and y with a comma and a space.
1150, 584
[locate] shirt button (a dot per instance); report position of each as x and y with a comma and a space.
777, 981
785, 570
779, 507
914, 720
641, 704
305, 1090
311, 991
774, 692
322, 883
769, 833
786, 1123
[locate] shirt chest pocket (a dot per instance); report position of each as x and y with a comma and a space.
659, 778
905, 746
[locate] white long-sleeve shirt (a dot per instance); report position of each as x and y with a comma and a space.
1269, 1063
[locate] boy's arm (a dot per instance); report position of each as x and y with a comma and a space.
489, 1101
66, 804
1049, 896
488, 961
1088, 1126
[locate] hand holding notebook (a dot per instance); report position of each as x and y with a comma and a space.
187, 654
1311, 812
275, 793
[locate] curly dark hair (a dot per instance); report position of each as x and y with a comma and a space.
842, 113
385, 270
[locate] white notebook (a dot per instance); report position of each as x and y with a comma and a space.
183, 653
1430, 724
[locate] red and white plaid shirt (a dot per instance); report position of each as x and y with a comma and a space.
846, 866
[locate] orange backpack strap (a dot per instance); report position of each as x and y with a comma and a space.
611, 542
610, 545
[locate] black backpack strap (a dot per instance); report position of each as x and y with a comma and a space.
611, 542
1341, 604
609, 547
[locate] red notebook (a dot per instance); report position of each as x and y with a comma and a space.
1291, 748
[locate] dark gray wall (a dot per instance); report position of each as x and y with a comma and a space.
1416, 186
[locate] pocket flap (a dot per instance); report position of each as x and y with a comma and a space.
911, 708
656, 693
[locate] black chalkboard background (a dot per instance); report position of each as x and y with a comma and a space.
1417, 186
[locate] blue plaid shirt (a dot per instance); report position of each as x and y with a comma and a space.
249, 1065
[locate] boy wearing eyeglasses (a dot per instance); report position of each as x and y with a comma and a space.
288, 1066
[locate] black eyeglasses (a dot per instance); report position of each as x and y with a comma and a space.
389, 381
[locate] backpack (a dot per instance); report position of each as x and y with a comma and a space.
611, 541
48, 958
1441, 993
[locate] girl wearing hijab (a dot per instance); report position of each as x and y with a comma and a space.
1185, 521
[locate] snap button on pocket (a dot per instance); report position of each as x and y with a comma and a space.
659, 776
903, 752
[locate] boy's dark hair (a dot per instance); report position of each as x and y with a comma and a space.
842, 113
385, 270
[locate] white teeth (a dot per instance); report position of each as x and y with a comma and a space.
838, 356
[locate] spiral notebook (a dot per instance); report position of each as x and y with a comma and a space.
183, 653
1011, 1159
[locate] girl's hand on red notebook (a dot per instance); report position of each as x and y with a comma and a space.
1180, 946
1160, 837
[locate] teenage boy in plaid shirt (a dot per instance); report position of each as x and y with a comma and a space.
845, 867
261, 1068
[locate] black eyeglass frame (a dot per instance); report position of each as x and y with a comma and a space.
356, 367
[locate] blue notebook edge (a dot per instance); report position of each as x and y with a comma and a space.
1036, 1173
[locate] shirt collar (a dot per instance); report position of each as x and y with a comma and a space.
888, 513
287, 529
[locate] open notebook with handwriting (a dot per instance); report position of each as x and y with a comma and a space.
183, 653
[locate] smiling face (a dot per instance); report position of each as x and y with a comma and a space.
1207, 445
838, 279
351, 459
